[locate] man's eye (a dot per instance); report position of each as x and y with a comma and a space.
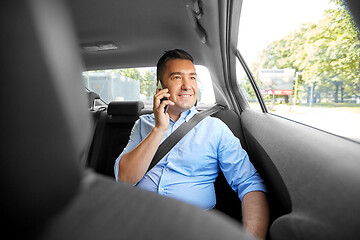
176, 77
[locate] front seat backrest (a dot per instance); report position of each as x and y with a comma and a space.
43, 135
43, 130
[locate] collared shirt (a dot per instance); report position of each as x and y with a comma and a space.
188, 171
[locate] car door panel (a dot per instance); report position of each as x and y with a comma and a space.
320, 172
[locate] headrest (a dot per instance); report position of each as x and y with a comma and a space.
128, 108
47, 127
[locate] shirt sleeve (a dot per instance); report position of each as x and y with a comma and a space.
134, 140
236, 166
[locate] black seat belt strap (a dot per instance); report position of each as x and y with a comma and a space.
180, 132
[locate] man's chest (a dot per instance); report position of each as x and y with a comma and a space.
195, 154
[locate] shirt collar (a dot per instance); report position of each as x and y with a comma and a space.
189, 114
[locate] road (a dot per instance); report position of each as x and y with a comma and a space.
340, 121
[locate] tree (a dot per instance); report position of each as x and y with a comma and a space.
147, 81
327, 53
129, 72
148, 84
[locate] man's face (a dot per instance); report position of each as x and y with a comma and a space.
181, 80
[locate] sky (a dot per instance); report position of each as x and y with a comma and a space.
264, 21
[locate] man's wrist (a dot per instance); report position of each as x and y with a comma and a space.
159, 130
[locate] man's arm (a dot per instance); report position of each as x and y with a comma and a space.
255, 211
242, 176
134, 164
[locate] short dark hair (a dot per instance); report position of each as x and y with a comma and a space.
169, 55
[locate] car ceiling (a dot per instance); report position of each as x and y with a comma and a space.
143, 30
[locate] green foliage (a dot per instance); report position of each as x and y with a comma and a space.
327, 54
147, 81
129, 72
148, 84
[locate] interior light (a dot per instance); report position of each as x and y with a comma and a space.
99, 46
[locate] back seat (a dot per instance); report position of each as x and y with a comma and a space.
112, 131
112, 134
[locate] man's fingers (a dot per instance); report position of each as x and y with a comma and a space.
163, 104
167, 102
158, 96
162, 92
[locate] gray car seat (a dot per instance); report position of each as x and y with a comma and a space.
46, 194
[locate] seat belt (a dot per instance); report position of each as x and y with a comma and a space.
180, 132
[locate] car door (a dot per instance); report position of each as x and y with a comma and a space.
312, 175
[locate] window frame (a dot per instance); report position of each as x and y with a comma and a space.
252, 81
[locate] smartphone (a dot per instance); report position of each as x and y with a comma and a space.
160, 86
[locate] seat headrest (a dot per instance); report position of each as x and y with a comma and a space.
48, 125
128, 108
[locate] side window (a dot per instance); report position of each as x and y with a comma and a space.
205, 87
305, 65
139, 84
245, 86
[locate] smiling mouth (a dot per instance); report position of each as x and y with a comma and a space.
185, 95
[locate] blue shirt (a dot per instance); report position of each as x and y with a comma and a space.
189, 169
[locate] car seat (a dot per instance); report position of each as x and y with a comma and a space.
46, 194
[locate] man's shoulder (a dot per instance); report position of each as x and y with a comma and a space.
215, 121
149, 116
218, 125
213, 125
146, 119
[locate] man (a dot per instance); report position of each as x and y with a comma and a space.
190, 168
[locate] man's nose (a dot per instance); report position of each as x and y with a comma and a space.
186, 83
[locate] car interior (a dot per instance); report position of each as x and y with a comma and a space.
60, 140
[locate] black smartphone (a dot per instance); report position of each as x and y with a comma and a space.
160, 86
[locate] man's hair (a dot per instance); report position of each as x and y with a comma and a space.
169, 55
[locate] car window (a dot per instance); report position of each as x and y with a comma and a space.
245, 87
305, 61
139, 84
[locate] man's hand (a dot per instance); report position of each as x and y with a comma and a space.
134, 164
162, 118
